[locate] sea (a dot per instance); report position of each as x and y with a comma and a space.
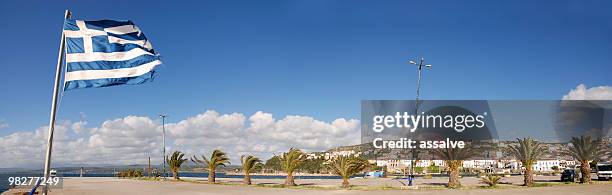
4, 184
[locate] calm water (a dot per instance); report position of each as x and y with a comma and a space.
4, 184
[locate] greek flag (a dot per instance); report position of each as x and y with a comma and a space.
104, 53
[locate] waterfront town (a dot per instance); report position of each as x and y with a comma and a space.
554, 159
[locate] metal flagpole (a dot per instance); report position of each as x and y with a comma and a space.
58, 75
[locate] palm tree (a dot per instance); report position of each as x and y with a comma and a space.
528, 151
491, 180
248, 164
585, 149
453, 157
347, 166
290, 161
175, 161
218, 158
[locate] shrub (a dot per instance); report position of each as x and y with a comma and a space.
491, 180
418, 169
433, 169
130, 173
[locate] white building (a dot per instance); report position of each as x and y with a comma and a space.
501, 166
546, 165
334, 154
480, 164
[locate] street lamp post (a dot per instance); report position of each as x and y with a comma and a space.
420, 66
164, 143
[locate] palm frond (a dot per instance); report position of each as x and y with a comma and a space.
218, 158
292, 160
527, 151
175, 160
584, 148
347, 166
250, 162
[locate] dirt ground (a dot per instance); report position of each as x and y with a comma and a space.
94, 186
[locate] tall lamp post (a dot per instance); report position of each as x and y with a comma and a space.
420, 66
164, 143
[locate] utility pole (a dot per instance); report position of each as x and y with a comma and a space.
420, 66
149, 168
164, 143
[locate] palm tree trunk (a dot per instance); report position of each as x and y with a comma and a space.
453, 178
290, 181
175, 174
585, 169
247, 179
345, 182
211, 176
528, 181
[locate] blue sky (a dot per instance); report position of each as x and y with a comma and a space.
312, 58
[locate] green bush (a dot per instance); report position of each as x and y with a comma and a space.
130, 173
433, 169
418, 169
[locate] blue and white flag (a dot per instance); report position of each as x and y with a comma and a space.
104, 53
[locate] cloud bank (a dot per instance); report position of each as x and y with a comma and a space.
595, 93
132, 139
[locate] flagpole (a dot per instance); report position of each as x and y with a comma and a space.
58, 75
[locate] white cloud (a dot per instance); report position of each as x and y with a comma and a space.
132, 139
595, 93
303, 132
27, 147
127, 140
78, 127
263, 135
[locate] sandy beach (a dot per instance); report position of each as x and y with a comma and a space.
93, 186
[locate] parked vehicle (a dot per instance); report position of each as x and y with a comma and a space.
604, 170
53, 173
374, 174
569, 175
